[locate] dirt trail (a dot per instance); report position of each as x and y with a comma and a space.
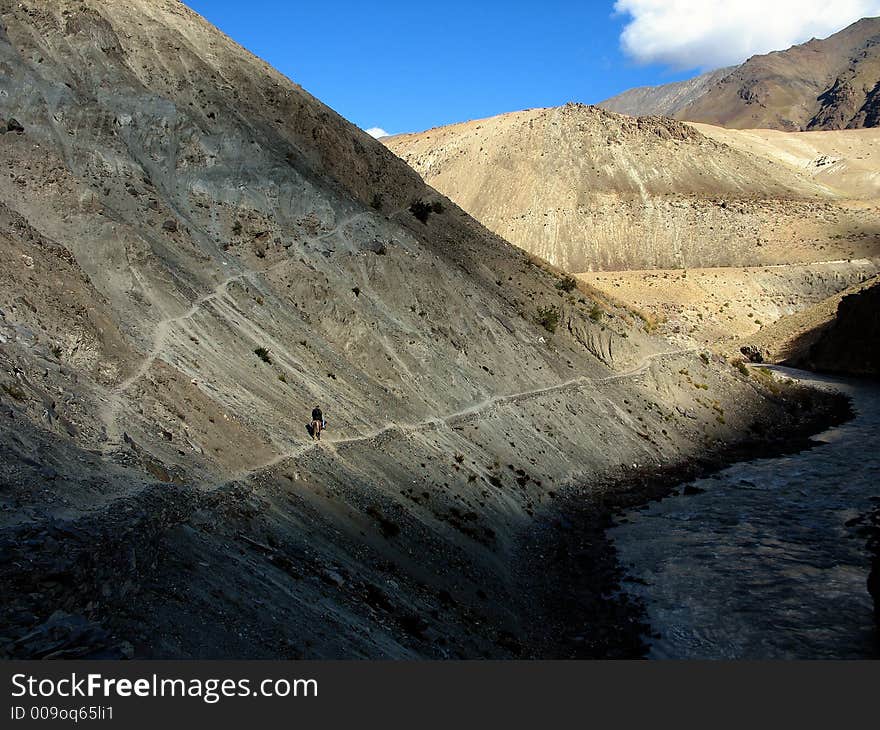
465, 415
110, 412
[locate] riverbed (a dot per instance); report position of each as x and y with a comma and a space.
757, 561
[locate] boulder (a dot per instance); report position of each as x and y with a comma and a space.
752, 353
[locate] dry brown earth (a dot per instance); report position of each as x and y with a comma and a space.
594, 191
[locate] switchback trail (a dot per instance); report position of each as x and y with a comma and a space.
111, 408
164, 327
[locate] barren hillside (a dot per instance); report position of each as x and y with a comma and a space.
791, 338
195, 252
849, 342
664, 100
728, 307
847, 161
590, 190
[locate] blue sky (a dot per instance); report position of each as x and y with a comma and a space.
408, 66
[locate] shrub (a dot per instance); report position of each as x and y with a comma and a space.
649, 320
421, 210
388, 528
14, 392
741, 366
567, 284
548, 318
437, 207
378, 247
377, 201
237, 228
263, 354
596, 312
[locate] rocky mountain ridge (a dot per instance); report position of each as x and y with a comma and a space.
827, 84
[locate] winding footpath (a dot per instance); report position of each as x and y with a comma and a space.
478, 409
110, 412
164, 328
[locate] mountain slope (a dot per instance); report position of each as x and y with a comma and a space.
847, 161
731, 306
591, 190
822, 84
790, 339
195, 253
665, 100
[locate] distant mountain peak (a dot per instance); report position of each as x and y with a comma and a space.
820, 84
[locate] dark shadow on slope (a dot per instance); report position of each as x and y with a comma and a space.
848, 345
582, 609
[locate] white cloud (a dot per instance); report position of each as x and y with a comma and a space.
712, 33
376, 132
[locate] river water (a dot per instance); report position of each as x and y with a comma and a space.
762, 564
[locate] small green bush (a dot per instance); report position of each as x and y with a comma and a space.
421, 210
567, 284
548, 318
596, 313
263, 354
14, 392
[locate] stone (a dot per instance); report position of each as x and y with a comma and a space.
753, 353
